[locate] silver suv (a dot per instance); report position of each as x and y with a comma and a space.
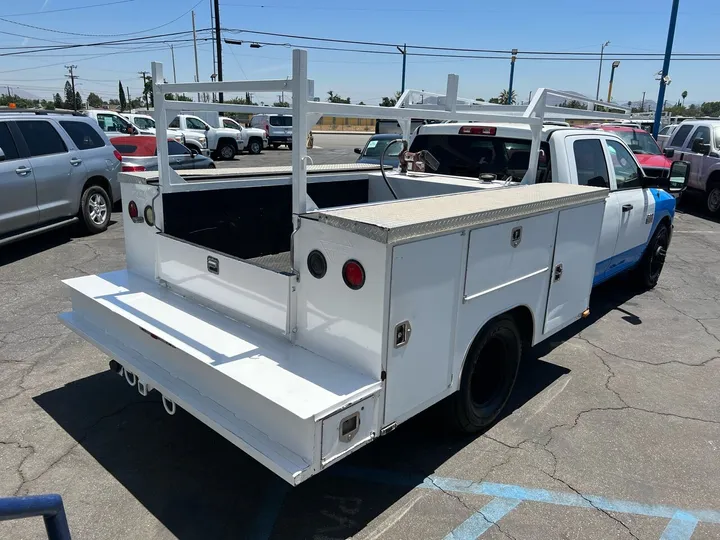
55, 170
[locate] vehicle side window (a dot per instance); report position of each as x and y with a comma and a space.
665, 130
175, 123
193, 123
590, 163
112, 123
702, 133
83, 135
41, 137
125, 149
627, 172
175, 148
144, 123
230, 124
7, 144
680, 135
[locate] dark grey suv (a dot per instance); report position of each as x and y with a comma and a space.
55, 170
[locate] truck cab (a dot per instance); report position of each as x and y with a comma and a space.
638, 214
221, 143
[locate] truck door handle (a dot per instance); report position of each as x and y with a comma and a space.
627, 207
75, 161
22, 171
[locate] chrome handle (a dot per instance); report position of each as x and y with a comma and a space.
75, 161
627, 207
22, 171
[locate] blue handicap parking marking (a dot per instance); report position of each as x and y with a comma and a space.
481, 521
506, 497
681, 526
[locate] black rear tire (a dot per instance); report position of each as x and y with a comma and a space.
648, 270
95, 209
712, 199
488, 376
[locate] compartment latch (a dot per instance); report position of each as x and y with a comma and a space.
402, 334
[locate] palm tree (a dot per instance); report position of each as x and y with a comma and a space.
503, 98
684, 95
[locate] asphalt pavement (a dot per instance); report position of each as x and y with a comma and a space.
613, 430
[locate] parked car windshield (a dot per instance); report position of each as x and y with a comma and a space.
144, 123
282, 121
471, 155
640, 142
374, 148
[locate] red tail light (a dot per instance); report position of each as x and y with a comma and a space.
267, 129
353, 274
132, 210
477, 130
133, 168
117, 154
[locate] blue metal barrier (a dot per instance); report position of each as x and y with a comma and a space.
50, 507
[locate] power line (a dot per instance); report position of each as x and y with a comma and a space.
101, 35
70, 8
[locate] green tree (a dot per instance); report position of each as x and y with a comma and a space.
122, 101
47, 105
684, 95
574, 104
78, 101
391, 101
281, 104
479, 99
94, 101
69, 97
335, 98
503, 97
57, 101
148, 93
361, 103
242, 101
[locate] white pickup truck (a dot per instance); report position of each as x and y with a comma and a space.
637, 224
222, 143
302, 312
252, 140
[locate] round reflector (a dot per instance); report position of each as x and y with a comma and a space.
149, 214
353, 274
132, 209
317, 264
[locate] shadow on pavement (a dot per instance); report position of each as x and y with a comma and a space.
201, 486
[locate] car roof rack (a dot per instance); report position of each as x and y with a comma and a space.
41, 112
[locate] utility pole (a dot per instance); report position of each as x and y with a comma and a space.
602, 49
642, 104
664, 79
129, 98
218, 44
72, 78
172, 52
145, 94
197, 72
615, 65
512, 76
212, 31
403, 51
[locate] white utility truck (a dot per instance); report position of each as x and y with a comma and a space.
302, 312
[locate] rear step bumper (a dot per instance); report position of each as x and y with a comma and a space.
291, 410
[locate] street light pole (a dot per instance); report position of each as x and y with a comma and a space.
512, 76
642, 104
666, 67
602, 49
172, 52
615, 64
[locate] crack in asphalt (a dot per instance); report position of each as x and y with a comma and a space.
78, 442
27, 456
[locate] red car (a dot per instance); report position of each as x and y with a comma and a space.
645, 148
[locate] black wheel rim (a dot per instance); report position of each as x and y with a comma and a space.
658, 254
490, 378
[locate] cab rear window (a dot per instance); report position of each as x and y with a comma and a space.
281, 121
472, 155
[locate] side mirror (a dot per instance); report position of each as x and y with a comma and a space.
193, 152
699, 147
669, 152
358, 151
679, 175
130, 130
207, 128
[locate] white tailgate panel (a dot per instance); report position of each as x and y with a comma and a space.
575, 249
425, 290
240, 289
493, 261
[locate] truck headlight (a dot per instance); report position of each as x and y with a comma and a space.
203, 141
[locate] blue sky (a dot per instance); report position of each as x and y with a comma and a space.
632, 26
